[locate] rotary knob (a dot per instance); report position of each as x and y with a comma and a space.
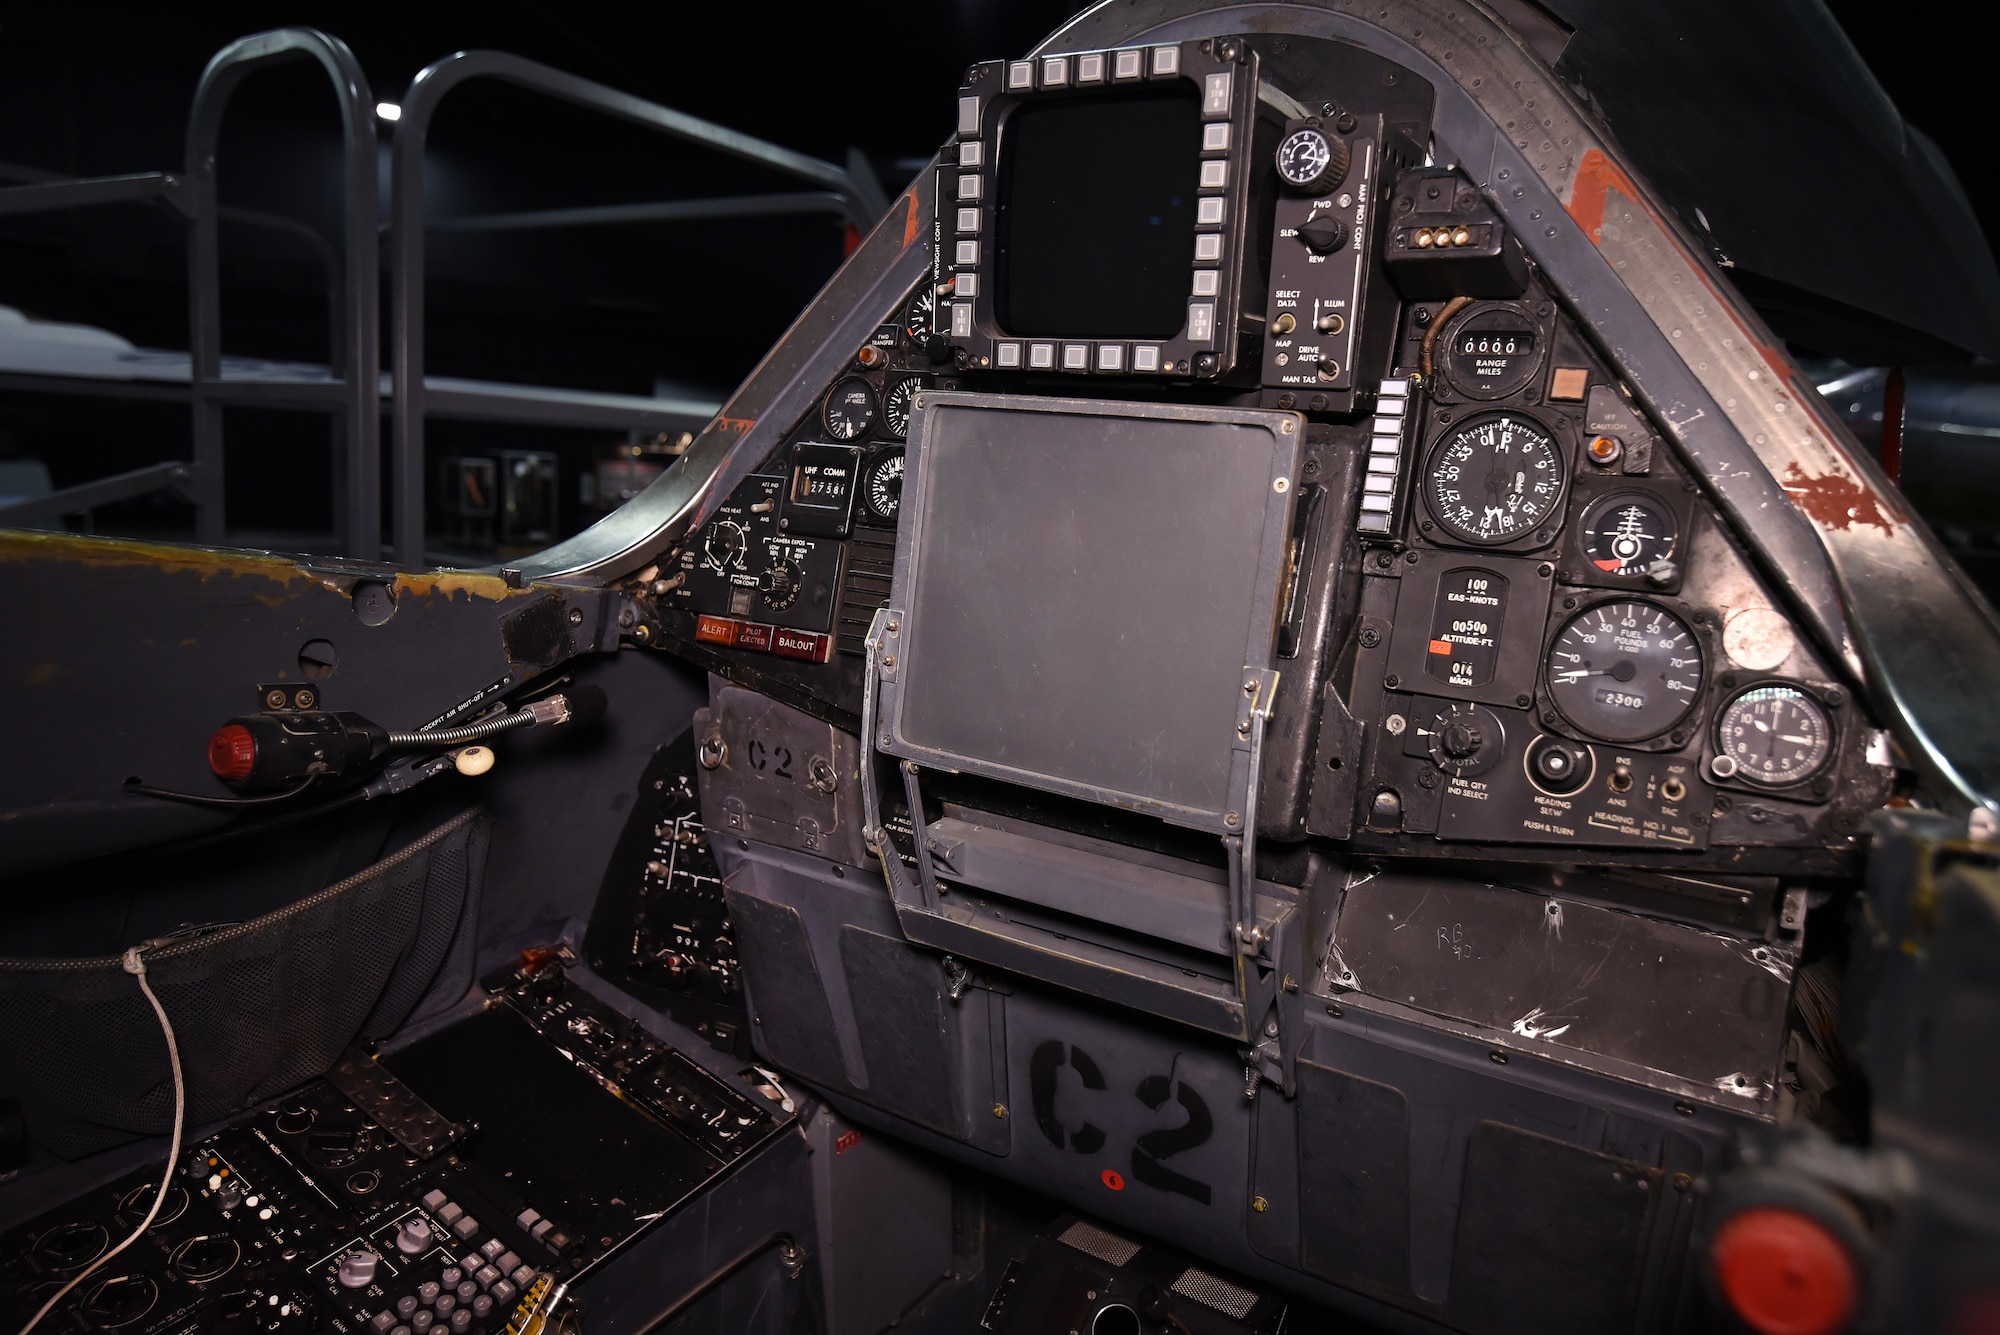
1459, 739
1464, 739
1311, 161
780, 585
413, 1237
357, 1269
1323, 234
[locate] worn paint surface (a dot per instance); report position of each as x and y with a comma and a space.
1837, 501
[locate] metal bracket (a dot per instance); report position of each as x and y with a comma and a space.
1253, 713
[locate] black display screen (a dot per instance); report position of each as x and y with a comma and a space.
1096, 204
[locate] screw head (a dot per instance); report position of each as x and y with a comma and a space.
1392, 681
576, 616
1232, 819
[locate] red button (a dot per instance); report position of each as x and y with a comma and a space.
802, 644
1784, 1274
750, 635
232, 753
715, 630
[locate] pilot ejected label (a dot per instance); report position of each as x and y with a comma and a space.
1465, 626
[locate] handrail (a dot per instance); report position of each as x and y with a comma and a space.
407, 228
173, 476
54, 195
356, 354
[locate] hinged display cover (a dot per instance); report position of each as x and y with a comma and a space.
1084, 595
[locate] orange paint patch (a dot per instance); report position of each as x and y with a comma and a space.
1835, 501
1596, 176
1441, 646
911, 224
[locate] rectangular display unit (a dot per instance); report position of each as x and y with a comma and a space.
1083, 591
1091, 211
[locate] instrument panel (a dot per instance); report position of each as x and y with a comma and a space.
1539, 632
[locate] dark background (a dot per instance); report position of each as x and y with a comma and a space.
96, 89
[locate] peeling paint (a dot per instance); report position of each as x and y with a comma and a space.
912, 224
1596, 177
168, 558
1837, 501
450, 583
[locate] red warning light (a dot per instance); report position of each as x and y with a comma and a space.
1784, 1273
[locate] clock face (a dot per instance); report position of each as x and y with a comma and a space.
1495, 479
1776, 735
1303, 157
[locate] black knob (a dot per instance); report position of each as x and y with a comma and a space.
1312, 162
1459, 739
1323, 234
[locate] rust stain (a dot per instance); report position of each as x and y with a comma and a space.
126, 553
450, 583
1596, 176
1836, 501
911, 227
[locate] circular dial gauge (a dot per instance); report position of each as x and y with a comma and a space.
1623, 671
850, 409
917, 319
882, 487
896, 406
722, 551
1309, 161
1777, 735
1494, 479
1625, 534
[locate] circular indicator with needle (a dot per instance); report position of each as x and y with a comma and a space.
896, 406
917, 317
1494, 479
723, 550
882, 487
1773, 735
1311, 162
850, 409
1624, 671
1626, 533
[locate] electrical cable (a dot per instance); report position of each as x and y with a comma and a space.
219, 803
402, 741
135, 964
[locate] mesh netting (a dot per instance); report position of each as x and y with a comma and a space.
258, 1007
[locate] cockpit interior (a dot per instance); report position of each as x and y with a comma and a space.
1319, 690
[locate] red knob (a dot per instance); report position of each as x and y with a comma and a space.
232, 753
1785, 1274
